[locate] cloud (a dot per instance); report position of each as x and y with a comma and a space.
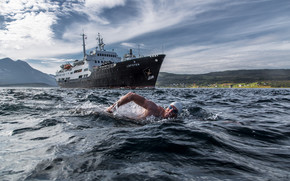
28, 26
30, 29
242, 54
152, 16
198, 36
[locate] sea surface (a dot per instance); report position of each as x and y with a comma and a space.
222, 134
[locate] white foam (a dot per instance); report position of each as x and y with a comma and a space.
130, 110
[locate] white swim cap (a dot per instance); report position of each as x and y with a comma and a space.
178, 106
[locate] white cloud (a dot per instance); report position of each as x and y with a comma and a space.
242, 54
12, 7
133, 45
152, 16
92, 9
28, 27
94, 5
130, 45
29, 33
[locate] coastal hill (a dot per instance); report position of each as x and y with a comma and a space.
20, 73
271, 77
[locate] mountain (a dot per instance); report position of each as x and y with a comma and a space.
233, 76
21, 73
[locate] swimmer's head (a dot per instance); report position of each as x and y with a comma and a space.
178, 106
174, 109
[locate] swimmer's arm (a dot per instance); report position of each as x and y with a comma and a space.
139, 100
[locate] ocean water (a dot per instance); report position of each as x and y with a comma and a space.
222, 134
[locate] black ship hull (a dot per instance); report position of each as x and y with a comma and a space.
136, 73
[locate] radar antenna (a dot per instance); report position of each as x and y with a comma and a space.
101, 43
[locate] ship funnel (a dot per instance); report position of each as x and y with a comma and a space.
131, 53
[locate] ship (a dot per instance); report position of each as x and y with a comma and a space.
105, 69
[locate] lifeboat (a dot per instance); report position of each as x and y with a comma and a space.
67, 66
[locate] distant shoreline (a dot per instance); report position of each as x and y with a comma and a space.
254, 85
224, 87
264, 78
259, 85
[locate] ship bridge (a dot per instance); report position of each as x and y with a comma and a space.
100, 56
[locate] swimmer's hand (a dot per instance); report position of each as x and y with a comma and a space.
112, 108
109, 110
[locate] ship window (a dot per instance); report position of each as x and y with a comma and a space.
98, 61
86, 69
80, 76
79, 70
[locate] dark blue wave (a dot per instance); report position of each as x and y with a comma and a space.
222, 134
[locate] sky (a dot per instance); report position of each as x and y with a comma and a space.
197, 36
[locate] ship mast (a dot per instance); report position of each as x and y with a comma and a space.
101, 43
84, 44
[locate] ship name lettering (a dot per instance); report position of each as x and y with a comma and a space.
133, 65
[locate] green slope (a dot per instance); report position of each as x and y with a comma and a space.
271, 76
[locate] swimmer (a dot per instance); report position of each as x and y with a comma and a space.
151, 109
